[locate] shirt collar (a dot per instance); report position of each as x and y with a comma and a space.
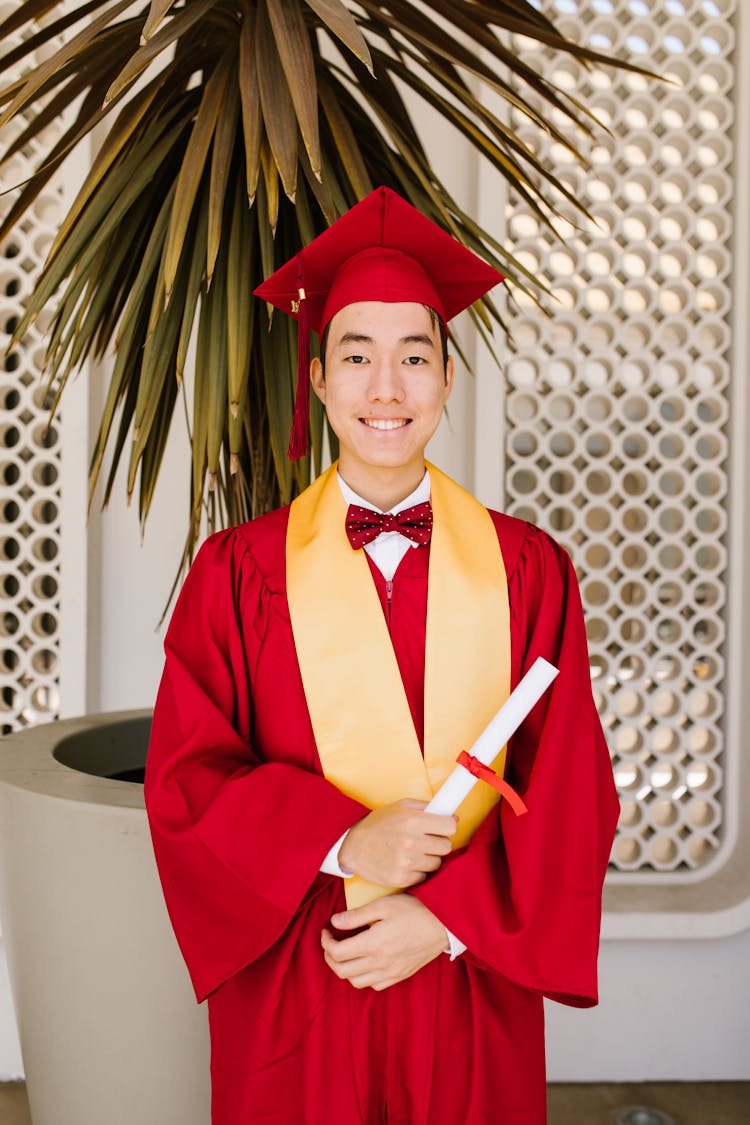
419, 496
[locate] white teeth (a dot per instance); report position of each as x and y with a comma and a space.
385, 423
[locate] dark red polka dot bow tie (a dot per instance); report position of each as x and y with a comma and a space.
363, 525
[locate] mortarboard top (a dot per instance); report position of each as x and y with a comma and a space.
382, 249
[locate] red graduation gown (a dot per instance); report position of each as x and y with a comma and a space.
242, 818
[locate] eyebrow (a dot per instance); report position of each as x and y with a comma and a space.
358, 338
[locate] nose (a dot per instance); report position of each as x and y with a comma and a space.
386, 382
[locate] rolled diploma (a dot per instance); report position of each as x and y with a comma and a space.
506, 722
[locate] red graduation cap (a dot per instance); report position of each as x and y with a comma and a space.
382, 249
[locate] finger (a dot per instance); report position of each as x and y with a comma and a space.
381, 985
334, 950
336, 969
435, 825
374, 980
413, 878
349, 949
335, 955
349, 969
437, 845
411, 803
357, 917
355, 944
428, 864
327, 940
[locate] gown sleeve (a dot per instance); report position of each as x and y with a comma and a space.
238, 841
525, 894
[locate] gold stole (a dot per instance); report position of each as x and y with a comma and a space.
358, 706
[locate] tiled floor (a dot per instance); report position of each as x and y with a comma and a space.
685, 1103
703, 1103
14, 1108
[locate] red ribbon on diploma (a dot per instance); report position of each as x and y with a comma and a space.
484, 773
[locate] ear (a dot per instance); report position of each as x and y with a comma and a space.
317, 378
450, 371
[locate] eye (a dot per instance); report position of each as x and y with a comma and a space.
357, 359
415, 360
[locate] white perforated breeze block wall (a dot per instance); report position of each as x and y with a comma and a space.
617, 405
29, 461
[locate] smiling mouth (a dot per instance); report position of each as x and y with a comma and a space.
386, 423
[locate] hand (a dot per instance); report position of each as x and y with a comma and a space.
397, 845
402, 937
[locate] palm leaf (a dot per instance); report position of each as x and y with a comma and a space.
223, 147
200, 410
338, 19
36, 184
274, 361
54, 65
325, 190
26, 12
193, 165
55, 106
82, 245
252, 122
276, 102
156, 14
265, 218
127, 408
179, 26
153, 454
89, 115
216, 372
240, 318
272, 194
50, 30
127, 122
345, 141
293, 44
194, 286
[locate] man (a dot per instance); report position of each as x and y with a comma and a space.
364, 960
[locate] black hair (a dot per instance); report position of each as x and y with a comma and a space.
435, 319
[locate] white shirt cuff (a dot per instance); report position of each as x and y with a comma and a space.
457, 947
331, 865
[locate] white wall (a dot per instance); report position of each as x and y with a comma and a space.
132, 582
11, 1065
676, 1010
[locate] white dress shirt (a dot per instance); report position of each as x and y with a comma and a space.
386, 551
389, 548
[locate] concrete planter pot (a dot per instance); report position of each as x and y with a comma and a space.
109, 1029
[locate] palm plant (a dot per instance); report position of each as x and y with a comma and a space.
237, 130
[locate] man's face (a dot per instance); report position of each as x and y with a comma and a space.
384, 386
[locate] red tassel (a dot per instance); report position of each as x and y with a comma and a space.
299, 438
484, 773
